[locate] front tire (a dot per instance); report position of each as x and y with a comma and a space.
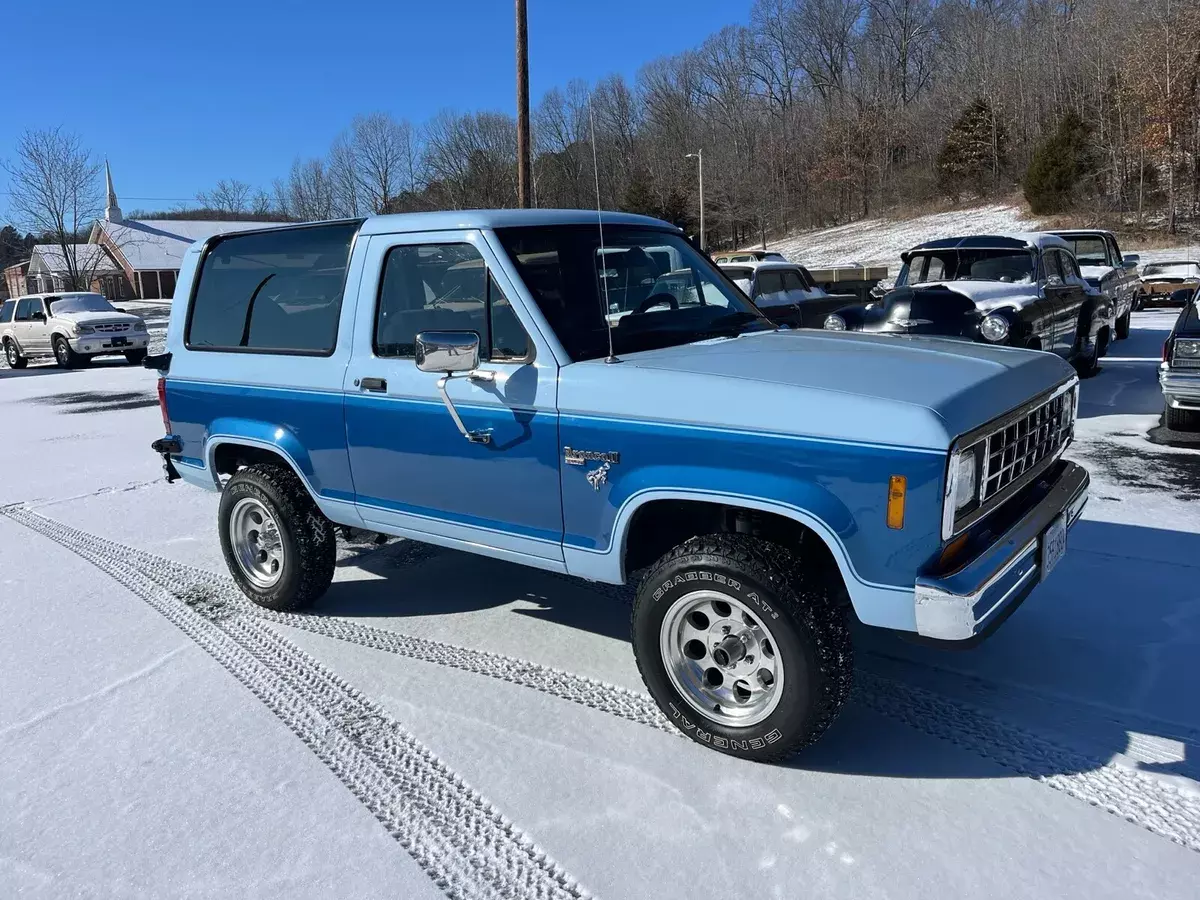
65, 356
278, 546
1123, 326
742, 650
1181, 419
13, 355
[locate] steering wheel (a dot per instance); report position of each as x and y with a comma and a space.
656, 299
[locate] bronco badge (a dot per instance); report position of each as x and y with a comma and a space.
573, 457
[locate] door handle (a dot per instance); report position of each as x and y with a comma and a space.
378, 385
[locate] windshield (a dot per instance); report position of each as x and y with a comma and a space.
79, 303
1014, 266
652, 287
1173, 270
1089, 251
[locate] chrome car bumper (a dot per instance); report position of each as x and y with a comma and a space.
94, 344
1180, 389
963, 604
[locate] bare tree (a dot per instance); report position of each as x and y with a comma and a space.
385, 159
308, 193
228, 196
55, 191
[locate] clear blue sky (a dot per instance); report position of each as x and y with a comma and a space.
177, 95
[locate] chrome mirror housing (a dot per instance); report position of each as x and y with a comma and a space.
453, 353
447, 352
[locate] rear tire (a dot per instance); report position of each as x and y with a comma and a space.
1181, 419
278, 546
13, 355
781, 621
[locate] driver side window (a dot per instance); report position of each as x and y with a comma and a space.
1050, 265
444, 287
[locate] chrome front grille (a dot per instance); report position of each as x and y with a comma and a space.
1023, 443
112, 329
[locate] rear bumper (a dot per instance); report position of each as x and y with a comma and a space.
971, 601
1181, 389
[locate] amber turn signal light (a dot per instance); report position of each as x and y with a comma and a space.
897, 488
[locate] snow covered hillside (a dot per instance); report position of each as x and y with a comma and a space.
443, 725
881, 241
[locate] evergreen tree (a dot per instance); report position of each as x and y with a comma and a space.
1060, 166
974, 151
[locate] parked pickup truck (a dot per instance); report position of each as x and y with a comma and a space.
459, 378
1106, 268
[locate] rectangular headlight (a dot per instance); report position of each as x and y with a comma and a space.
1186, 353
962, 487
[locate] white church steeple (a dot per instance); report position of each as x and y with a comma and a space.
112, 212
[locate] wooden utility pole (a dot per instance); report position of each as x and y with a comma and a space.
524, 173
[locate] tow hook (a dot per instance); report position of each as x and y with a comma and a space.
165, 447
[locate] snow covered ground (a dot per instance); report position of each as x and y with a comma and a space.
445, 725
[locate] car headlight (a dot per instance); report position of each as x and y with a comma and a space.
834, 322
1186, 353
139, 325
84, 329
994, 328
962, 488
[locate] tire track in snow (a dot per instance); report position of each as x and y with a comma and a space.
460, 840
1134, 796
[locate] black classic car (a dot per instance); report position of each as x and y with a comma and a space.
1019, 290
1179, 374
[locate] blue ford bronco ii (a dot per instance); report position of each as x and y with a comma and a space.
590, 395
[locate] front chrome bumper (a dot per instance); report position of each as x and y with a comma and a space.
95, 344
965, 603
1180, 388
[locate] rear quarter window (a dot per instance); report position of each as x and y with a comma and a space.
276, 291
6, 311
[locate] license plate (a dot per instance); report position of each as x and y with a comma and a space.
1054, 544
119, 342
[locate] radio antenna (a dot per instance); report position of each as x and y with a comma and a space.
612, 357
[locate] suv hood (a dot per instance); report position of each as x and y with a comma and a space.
877, 389
98, 318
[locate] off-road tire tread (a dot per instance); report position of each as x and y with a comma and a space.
805, 599
314, 536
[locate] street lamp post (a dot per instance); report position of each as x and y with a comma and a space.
699, 157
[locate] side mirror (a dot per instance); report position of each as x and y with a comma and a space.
447, 352
453, 353
1130, 260
38, 316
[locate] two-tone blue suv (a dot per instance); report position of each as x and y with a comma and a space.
590, 395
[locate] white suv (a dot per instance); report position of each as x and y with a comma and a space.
71, 327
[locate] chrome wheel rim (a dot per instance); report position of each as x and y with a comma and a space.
256, 542
721, 658
60, 351
10, 351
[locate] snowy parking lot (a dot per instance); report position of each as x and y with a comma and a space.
446, 725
